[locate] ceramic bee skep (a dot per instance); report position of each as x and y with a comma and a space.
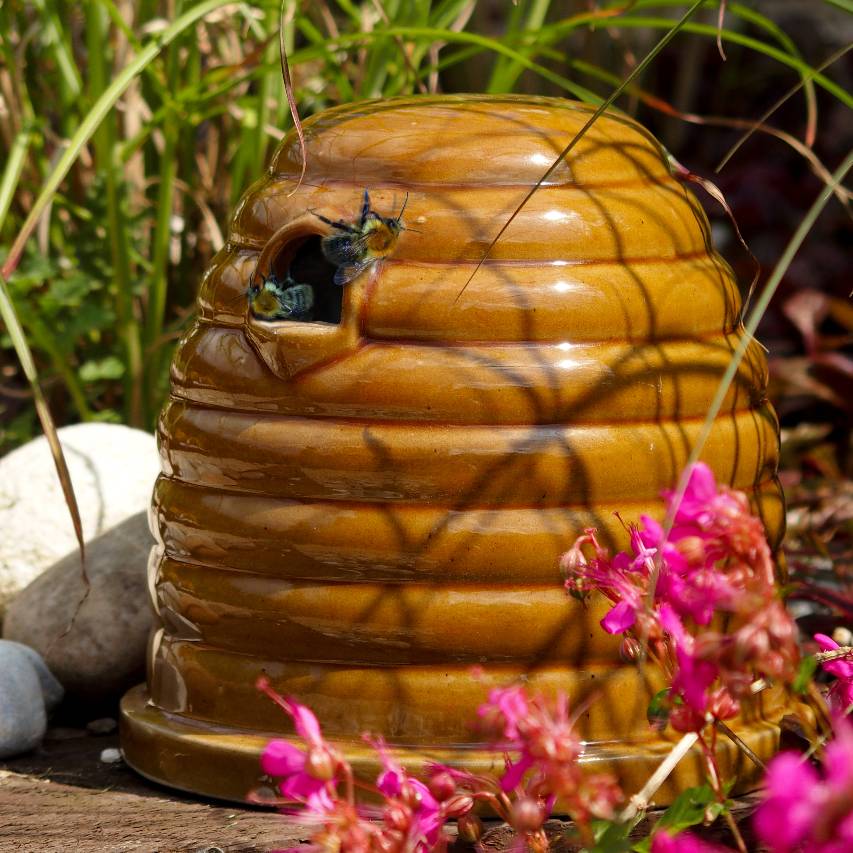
366, 505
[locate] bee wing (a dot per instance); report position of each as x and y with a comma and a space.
343, 249
345, 274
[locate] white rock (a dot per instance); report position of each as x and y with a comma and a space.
26, 688
113, 469
102, 652
110, 756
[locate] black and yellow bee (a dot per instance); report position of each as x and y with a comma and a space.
359, 244
272, 299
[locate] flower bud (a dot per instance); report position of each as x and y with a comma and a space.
397, 817
722, 705
527, 815
629, 649
319, 764
470, 828
442, 786
459, 805
684, 719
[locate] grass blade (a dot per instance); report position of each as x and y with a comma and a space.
747, 337
19, 342
291, 98
649, 57
803, 68
506, 72
668, 109
95, 116
758, 123
12, 172
846, 5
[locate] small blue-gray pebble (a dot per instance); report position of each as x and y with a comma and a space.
28, 691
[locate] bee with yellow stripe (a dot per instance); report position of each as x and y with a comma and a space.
271, 299
357, 245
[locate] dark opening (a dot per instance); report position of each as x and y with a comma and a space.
309, 266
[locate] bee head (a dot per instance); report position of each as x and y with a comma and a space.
258, 283
395, 223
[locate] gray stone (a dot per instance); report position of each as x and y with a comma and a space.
51, 689
102, 652
26, 686
113, 469
101, 726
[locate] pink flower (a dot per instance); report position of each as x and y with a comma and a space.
840, 695
786, 815
501, 714
802, 811
410, 807
622, 578
284, 761
308, 777
721, 519
620, 618
684, 842
542, 753
715, 560
693, 676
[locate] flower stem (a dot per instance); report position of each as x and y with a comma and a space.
740, 743
640, 802
716, 786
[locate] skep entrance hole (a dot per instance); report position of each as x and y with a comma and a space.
301, 257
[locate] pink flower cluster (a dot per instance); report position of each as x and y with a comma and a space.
801, 810
540, 751
805, 811
411, 819
668, 590
840, 695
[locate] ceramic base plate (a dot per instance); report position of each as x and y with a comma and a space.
225, 762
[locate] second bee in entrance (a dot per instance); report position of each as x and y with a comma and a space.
271, 299
357, 245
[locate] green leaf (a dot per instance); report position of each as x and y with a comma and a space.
658, 711
690, 808
804, 674
611, 837
100, 369
93, 119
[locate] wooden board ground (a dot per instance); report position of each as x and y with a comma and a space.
64, 799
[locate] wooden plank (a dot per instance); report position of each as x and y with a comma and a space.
63, 799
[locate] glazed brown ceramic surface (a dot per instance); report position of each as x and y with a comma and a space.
366, 510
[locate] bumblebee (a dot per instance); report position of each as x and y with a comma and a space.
276, 300
358, 245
